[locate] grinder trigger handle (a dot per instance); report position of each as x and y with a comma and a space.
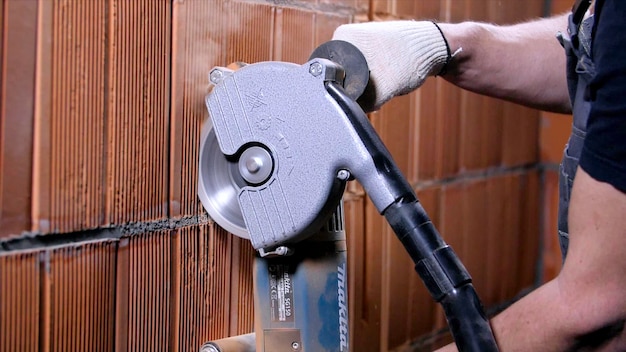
442, 272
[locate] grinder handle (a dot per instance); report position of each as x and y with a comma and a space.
441, 270
444, 275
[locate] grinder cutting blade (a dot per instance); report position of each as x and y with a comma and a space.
219, 184
221, 179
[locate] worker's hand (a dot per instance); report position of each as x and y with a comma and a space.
400, 56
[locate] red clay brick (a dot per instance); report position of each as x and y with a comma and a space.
475, 235
514, 12
491, 134
398, 267
510, 242
531, 235
395, 125
354, 208
495, 228
502, 233
426, 124
520, 135
366, 318
138, 111
472, 127
94, 169
212, 287
76, 117
560, 6
81, 285
447, 131
356, 6
486, 222
19, 51
294, 35
408, 9
450, 226
477, 10
381, 7
249, 32
20, 308
41, 202
551, 253
242, 287
454, 12
197, 46
452, 218
420, 314
143, 300
325, 25
553, 134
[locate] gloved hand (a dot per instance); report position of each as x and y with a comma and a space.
400, 56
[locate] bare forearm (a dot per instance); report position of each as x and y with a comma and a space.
547, 320
584, 308
523, 63
535, 323
538, 322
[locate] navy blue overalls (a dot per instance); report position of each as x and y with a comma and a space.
580, 71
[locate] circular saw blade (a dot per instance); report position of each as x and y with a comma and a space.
219, 183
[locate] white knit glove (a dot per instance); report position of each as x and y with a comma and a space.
400, 56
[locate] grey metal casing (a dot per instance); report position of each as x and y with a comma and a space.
286, 108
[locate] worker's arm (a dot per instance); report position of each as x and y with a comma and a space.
584, 308
523, 63
586, 304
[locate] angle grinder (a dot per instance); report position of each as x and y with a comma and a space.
229, 177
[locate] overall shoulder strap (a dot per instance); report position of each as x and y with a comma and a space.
579, 9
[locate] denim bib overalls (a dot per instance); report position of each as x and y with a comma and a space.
580, 71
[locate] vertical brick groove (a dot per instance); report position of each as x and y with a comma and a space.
194, 288
81, 284
138, 110
19, 302
77, 115
245, 301
294, 43
148, 301
249, 32
17, 107
198, 45
219, 284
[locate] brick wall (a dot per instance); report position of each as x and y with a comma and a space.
103, 242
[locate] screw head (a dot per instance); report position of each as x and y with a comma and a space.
209, 348
255, 165
283, 251
216, 76
295, 345
315, 69
343, 175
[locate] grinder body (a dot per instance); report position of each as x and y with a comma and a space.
290, 137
